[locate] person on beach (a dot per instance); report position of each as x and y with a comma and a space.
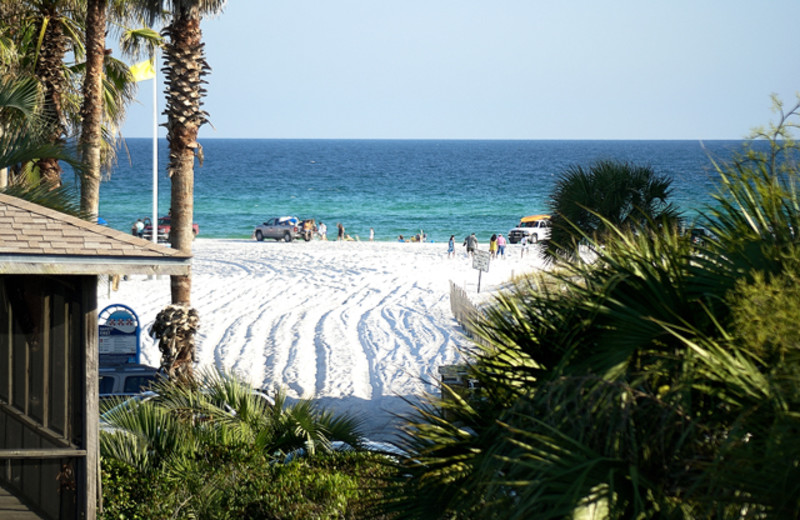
451, 247
371, 234
471, 242
493, 246
139, 228
322, 230
524, 244
501, 246
340, 227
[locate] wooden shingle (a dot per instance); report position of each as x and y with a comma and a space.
39, 240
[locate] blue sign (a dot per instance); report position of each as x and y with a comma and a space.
118, 336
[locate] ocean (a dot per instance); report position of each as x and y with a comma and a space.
395, 187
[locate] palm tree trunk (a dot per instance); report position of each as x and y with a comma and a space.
182, 209
49, 71
92, 110
185, 69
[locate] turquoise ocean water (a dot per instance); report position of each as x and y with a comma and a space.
396, 187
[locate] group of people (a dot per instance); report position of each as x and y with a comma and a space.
341, 235
321, 231
497, 245
419, 237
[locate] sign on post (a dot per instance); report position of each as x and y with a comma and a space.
480, 261
118, 336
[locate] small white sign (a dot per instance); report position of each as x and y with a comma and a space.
480, 261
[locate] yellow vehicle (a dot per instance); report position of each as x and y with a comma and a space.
533, 227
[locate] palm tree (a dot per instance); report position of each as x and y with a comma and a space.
107, 88
624, 195
21, 144
645, 385
185, 67
38, 35
92, 108
52, 34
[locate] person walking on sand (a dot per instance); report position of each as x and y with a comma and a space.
493, 246
322, 230
501, 246
471, 242
371, 234
451, 247
524, 244
340, 234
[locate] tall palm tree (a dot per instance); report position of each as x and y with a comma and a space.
92, 108
52, 28
185, 67
107, 88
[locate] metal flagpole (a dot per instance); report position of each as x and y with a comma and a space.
154, 221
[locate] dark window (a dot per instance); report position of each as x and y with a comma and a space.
106, 384
136, 384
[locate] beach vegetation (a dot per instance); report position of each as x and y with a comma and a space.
222, 449
79, 90
46, 42
21, 144
588, 205
660, 381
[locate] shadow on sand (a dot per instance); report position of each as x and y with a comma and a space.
381, 417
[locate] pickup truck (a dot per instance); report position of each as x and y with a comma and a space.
534, 227
279, 228
164, 227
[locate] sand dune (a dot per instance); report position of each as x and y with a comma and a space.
359, 325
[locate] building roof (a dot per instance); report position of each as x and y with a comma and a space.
39, 240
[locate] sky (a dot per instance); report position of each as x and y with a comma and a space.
493, 69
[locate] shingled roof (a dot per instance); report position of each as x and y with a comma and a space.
39, 240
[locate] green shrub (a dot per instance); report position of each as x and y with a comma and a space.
337, 485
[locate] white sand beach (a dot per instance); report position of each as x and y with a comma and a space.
357, 325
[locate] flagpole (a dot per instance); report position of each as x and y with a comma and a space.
154, 221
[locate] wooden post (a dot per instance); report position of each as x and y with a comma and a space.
91, 418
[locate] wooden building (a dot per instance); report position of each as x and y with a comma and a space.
50, 266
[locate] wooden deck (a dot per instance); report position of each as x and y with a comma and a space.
12, 509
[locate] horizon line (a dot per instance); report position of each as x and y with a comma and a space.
450, 139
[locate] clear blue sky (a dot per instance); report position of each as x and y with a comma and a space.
494, 69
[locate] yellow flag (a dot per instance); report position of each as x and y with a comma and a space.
143, 71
